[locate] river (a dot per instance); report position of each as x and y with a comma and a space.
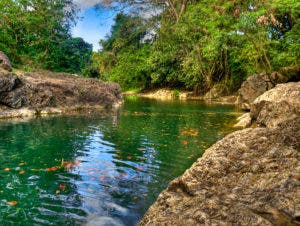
78, 170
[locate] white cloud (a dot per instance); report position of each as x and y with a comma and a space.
84, 4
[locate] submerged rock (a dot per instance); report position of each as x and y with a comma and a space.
251, 177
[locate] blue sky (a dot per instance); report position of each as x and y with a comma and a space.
94, 24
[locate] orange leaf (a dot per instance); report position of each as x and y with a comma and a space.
57, 191
7, 169
185, 142
54, 168
22, 172
62, 186
12, 203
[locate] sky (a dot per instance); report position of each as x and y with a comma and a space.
94, 23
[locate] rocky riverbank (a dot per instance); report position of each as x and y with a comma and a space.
39, 93
251, 177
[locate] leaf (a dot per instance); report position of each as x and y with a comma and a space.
12, 203
7, 169
185, 142
57, 191
54, 168
22, 172
62, 186
129, 157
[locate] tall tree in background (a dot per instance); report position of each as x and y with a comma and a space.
200, 43
37, 32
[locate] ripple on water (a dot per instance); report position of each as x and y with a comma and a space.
101, 171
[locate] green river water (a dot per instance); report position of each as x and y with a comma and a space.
91, 170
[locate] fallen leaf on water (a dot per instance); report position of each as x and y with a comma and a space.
69, 165
92, 178
7, 169
12, 203
54, 168
62, 186
22, 172
102, 179
57, 191
185, 142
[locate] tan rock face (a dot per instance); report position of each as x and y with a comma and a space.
4, 62
244, 121
277, 105
255, 86
47, 89
37, 91
251, 177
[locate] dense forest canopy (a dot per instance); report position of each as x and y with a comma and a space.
37, 33
188, 44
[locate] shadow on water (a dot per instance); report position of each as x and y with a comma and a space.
101, 171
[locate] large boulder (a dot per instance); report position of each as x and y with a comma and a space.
277, 105
47, 89
251, 177
256, 85
4, 62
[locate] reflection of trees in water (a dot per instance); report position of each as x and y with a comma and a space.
32, 146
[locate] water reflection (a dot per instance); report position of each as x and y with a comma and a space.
122, 161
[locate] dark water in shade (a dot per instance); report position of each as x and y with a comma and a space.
122, 162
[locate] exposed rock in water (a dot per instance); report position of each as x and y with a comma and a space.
244, 121
251, 177
277, 105
41, 90
4, 62
256, 85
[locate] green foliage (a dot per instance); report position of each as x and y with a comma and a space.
202, 43
37, 33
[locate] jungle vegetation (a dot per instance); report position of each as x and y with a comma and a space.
185, 44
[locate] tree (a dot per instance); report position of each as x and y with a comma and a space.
37, 32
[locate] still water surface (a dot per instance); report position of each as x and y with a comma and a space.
101, 170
